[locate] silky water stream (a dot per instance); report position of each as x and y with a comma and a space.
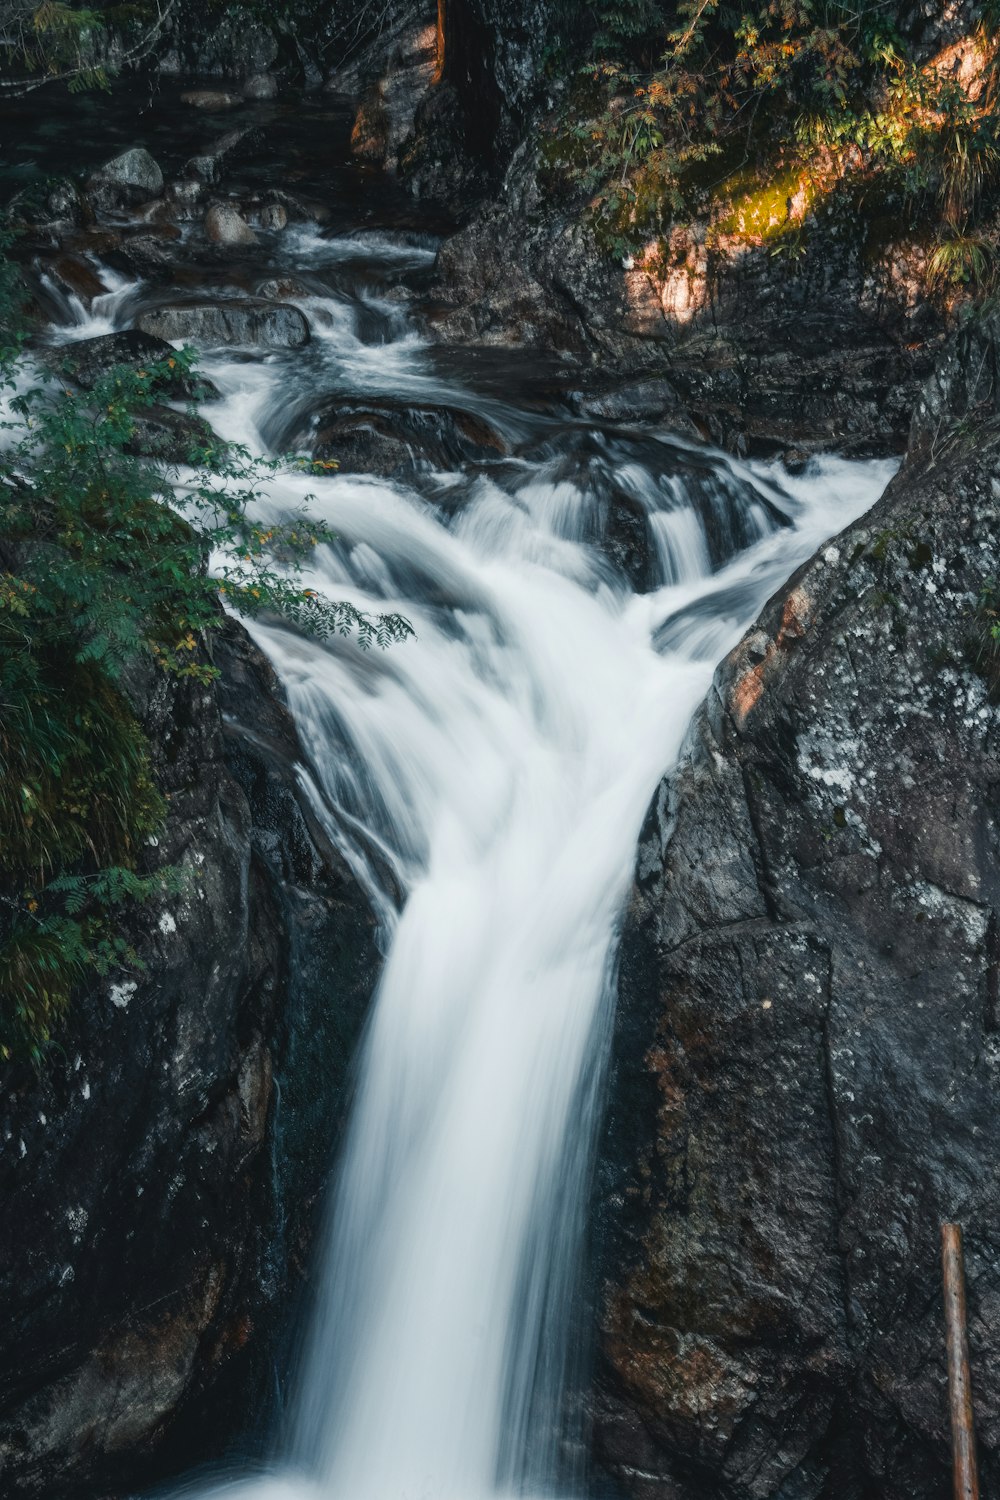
495, 769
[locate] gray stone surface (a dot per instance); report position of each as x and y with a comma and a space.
132, 177
250, 323
806, 1072
225, 225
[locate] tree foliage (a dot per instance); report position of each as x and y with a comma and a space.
80, 45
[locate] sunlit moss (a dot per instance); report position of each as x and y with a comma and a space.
762, 210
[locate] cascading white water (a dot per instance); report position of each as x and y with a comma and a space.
501, 763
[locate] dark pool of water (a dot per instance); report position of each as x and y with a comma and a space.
302, 144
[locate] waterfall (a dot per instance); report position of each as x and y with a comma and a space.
501, 763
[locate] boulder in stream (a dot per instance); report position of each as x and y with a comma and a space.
247, 323
268, 215
132, 177
184, 197
171, 437
225, 225
282, 288
387, 435
652, 400
57, 206
148, 254
88, 360
260, 86
74, 275
208, 164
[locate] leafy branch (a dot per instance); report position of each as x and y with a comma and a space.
105, 562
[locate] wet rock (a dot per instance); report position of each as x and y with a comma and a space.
157, 1221
250, 323
205, 166
385, 436
522, 274
59, 204
817, 380
826, 353
89, 360
183, 203
282, 289
161, 212
361, 447
224, 225
219, 154
211, 99
624, 538
643, 401
805, 1083
299, 210
149, 254
64, 201
260, 86
133, 177
172, 437
268, 215
186, 192
75, 276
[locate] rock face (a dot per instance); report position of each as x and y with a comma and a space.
820, 342
762, 354
238, 45
386, 113
492, 55
159, 1206
488, 81
805, 1082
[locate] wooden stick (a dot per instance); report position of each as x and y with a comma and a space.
963, 1431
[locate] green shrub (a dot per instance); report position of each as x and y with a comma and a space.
964, 261
690, 93
98, 569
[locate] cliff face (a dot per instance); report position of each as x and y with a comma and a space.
778, 322
159, 1200
805, 1083
762, 355
493, 52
